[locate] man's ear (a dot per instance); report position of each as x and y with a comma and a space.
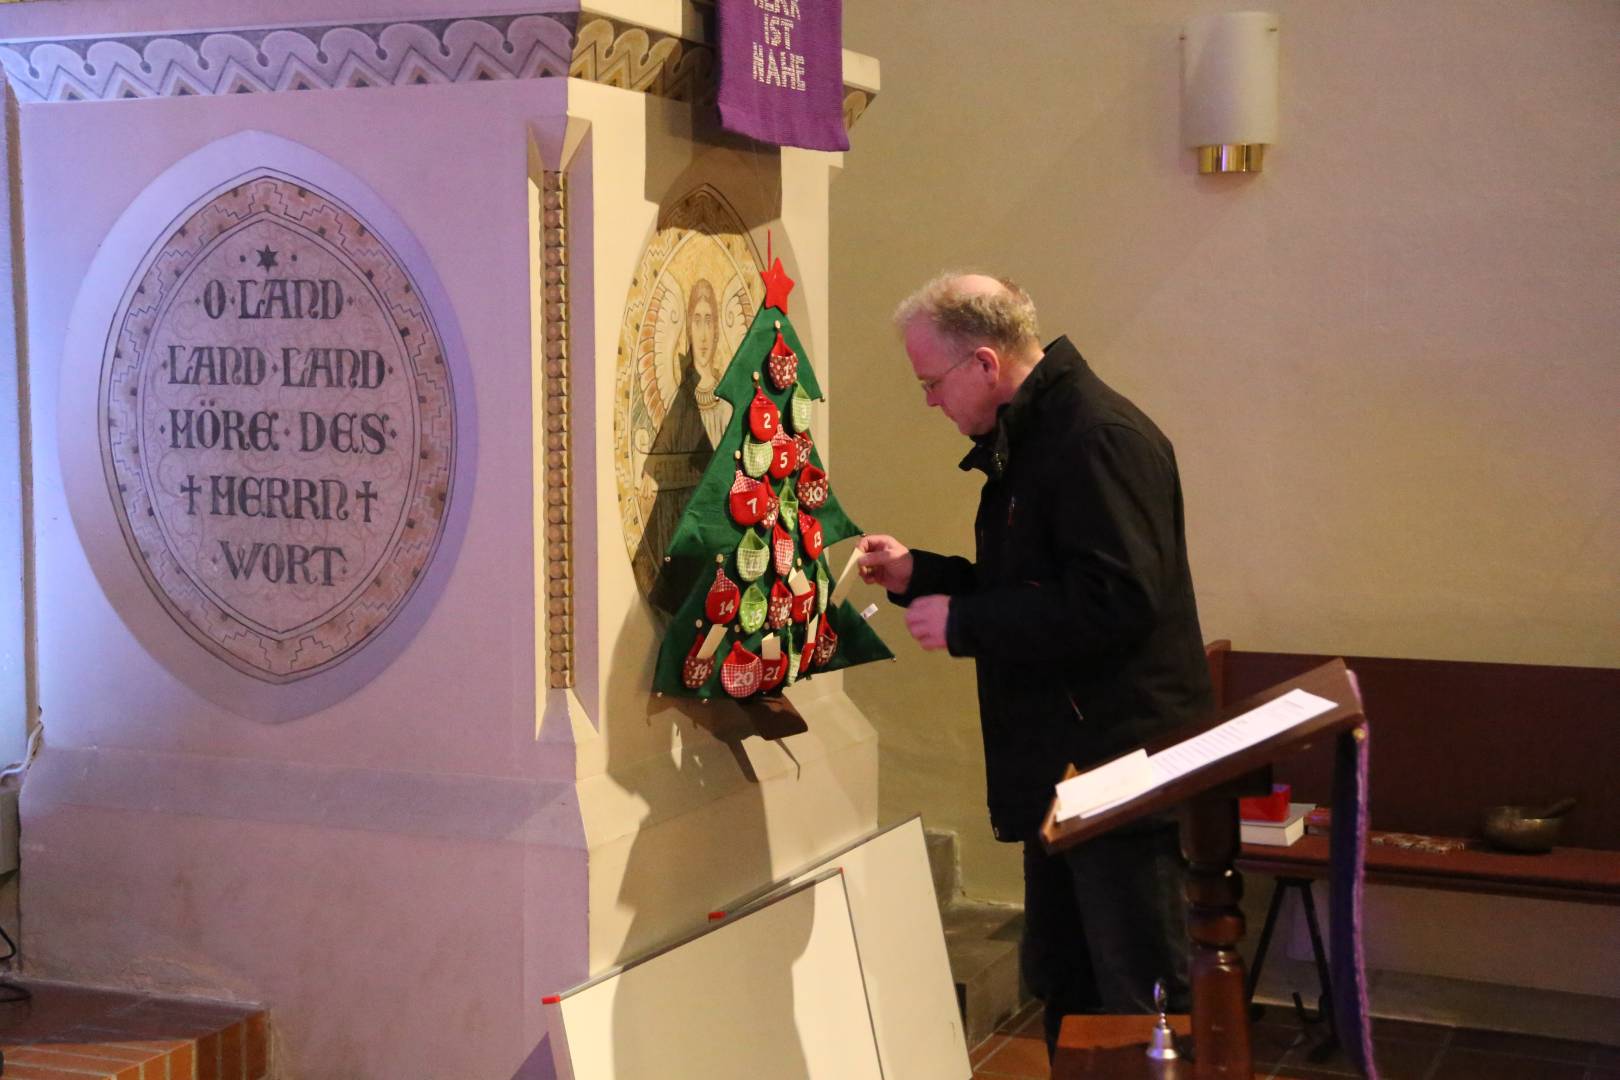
989, 361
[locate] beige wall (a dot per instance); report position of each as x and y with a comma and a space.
1389, 363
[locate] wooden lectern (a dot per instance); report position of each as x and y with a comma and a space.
1113, 1046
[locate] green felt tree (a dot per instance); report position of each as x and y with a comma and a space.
749, 552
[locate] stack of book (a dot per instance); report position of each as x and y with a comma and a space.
1276, 833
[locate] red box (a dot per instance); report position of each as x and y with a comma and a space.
1273, 807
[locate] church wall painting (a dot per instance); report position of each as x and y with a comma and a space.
280, 438
693, 297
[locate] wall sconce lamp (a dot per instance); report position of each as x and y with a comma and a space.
1229, 89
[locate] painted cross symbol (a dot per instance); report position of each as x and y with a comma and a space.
367, 493
189, 489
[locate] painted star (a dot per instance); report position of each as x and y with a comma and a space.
777, 286
267, 258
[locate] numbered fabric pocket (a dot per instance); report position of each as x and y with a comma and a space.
783, 363
805, 446
763, 418
789, 507
784, 454
749, 500
804, 604
772, 506
826, 645
802, 665
753, 556
751, 612
742, 672
782, 551
695, 671
721, 603
810, 533
756, 456
812, 488
799, 409
779, 612
793, 661
774, 671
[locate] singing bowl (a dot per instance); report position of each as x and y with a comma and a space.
1510, 828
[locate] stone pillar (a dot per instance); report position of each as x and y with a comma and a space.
342, 345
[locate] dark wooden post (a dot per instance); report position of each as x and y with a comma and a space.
1209, 842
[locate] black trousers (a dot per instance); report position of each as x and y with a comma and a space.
1102, 922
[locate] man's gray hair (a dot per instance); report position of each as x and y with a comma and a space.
1005, 318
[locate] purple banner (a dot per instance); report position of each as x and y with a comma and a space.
782, 71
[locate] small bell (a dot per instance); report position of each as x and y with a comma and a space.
1162, 1047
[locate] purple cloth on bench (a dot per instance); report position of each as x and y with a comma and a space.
1346, 960
782, 71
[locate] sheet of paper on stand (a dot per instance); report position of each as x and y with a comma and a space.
1136, 773
1096, 790
1239, 733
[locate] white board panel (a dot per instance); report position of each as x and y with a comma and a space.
902, 947
775, 991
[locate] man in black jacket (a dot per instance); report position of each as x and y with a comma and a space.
1078, 612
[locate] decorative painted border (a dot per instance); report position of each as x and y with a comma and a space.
613, 53
559, 439
270, 59
344, 57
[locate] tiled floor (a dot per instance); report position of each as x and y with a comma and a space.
1015, 1050
1405, 1051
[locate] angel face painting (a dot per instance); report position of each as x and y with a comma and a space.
690, 304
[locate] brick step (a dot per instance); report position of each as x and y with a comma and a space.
61, 1032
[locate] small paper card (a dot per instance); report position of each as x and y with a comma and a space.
1107, 785
841, 586
770, 648
717, 634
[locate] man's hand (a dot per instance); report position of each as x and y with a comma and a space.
884, 561
926, 618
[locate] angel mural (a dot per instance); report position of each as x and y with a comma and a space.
696, 418
693, 299
702, 327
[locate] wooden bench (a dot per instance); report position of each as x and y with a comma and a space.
1582, 875
1449, 739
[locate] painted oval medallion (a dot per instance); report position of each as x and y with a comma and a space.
278, 428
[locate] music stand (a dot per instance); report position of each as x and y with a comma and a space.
1206, 798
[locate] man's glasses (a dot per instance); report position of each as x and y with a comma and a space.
929, 385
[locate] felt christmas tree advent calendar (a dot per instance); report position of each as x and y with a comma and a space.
750, 548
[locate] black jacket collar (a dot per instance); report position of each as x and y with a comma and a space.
992, 451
